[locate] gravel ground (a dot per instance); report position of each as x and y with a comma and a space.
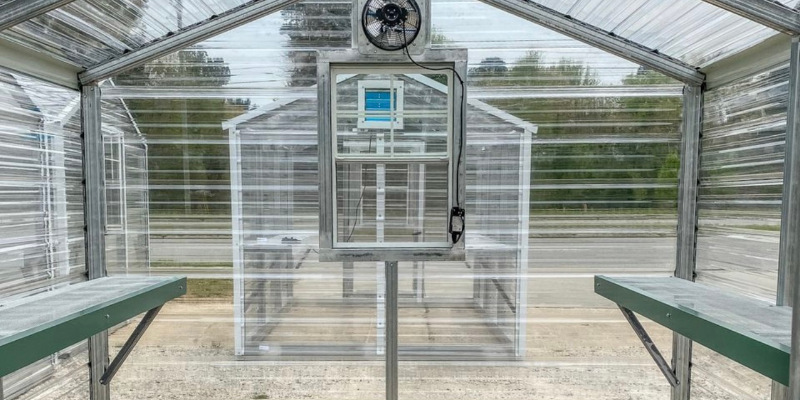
573, 353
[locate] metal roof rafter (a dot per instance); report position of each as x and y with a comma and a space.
188, 36
765, 12
596, 37
19, 11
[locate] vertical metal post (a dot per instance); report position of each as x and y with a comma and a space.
146, 184
382, 278
687, 225
235, 159
391, 330
789, 254
523, 229
123, 200
94, 215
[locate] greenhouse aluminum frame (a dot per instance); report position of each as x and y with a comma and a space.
772, 14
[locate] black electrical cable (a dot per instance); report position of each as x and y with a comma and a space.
361, 197
457, 211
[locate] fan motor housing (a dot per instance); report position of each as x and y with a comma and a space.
417, 46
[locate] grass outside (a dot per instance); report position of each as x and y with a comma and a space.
770, 228
168, 264
209, 289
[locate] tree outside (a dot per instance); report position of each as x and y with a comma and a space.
583, 159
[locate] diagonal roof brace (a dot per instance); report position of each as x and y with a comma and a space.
190, 35
766, 12
596, 37
19, 11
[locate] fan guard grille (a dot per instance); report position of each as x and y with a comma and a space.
391, 24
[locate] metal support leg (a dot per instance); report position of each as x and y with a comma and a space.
650, 346
789, 278
126, 349
687, 226
94, 214
391, 330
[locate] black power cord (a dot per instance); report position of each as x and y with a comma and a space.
360, 198
457, 211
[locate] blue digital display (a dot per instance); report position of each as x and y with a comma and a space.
378, 100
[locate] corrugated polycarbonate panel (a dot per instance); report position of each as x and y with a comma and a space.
87, 32
741, 182
41, 209
231, 128
690, 30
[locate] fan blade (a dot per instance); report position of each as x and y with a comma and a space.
374, 28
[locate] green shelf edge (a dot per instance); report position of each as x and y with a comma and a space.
762, 356
24, 348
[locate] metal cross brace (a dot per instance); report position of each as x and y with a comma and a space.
129, 345
651, 348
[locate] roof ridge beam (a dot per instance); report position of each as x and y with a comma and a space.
765, 12
19, 11
602, 39
190, 35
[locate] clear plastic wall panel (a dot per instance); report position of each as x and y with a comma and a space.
475, 310
127, 221
693, 31
44, 219
243, 105
717, 377
25, 266
185, 193
741, 183
739, 223
279, 198
292, 305
87, 32
136, 204
603, 190
41, 204
602, 200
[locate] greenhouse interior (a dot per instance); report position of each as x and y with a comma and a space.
400, 199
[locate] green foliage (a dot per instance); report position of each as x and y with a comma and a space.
311, 26
209, 289
586, 164
187, 151
437, 37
